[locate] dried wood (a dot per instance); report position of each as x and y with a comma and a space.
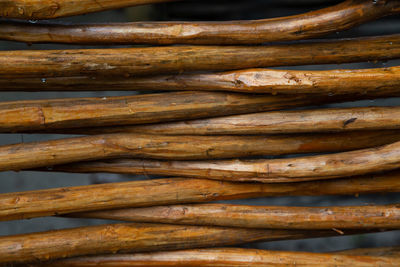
230, 257
313, 24
62, 151
275, 122
357, 162
47, 9
34, 115
261, 217
125, 62
39, 203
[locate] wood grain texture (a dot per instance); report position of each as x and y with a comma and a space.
48, 153
125, 62
33, 115
272, 122
341, 81
223, 257
261, 217
357, 162
340, 17
132, 237
47, 9
40, 203
378, 251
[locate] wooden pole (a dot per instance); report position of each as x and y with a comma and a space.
48, 153
34, 115
304, 26
125, 62
132, 237
47, 9
349, 81
378, 252
229, 257
266, 217
32, 204
275, 122
357, 162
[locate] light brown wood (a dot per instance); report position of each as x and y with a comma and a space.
132, 237
223, 257
341, 81
357, 162
39, 203
47, 9
34, 115
340, 17
125, 62
266, 217
275, 122
69, 150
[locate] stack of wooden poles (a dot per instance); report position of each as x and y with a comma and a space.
209, 137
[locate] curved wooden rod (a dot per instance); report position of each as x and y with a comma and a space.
309, 168
33, 204
340, 17
127, 237
234, 257
125, 62
272, 122
362, 81
51, 114
47, 9
262, 217
62, 151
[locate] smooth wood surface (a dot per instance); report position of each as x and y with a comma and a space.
343, 16
266, 217
272, 122
356, 162
132, 237
39, 203
97, 147
341, 81
125, 62
34, 115
223, 257
47, 9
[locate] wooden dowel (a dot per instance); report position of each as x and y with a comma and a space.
31, 204
229, 257
47, 9
69, 150
33, 115
132, 237
267, 217
309, 25
125, 62
357, 162
275, 122
360, 81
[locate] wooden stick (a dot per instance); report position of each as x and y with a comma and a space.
46, 9
299, 169
229, 257
360, 81
132, 237
276, 122
266, 217
31, 204
304, 26
62, 151
125, 62
33, 115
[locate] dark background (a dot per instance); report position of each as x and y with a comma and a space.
199, 10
